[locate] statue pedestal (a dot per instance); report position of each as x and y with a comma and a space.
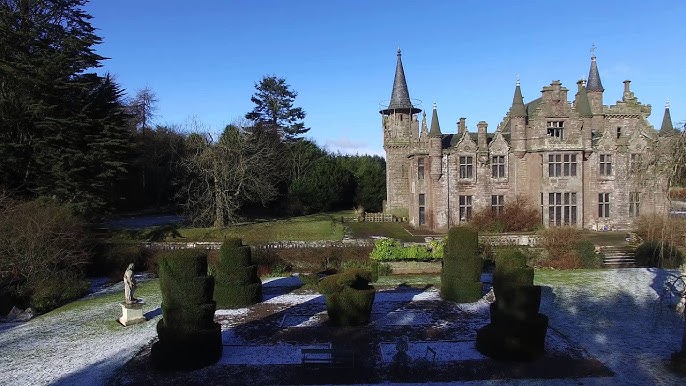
132, 313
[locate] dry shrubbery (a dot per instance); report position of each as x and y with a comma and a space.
661, 228
307, 259
43, 252
678, 194
517, 216
566, 248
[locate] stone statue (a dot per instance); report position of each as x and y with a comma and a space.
129, 285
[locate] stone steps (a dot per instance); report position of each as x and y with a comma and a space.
618, 257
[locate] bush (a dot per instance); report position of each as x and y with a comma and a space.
516, 331
660, 228
518, 215
394, 250
237, 283
188, 336
461, 274
111, 259
658, 254
307, 259
566, 248
376, 268
349, 297
44, 252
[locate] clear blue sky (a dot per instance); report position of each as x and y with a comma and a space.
202, 58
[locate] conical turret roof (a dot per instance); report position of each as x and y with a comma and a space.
667, 127
583, 107
517, 109
435, 126
594, 83
400, 96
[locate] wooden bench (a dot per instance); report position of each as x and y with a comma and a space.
328, 356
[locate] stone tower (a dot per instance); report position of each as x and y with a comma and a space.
400, 132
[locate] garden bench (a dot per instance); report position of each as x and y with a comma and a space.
328, 356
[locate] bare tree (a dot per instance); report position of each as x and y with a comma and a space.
143, 107
239, 167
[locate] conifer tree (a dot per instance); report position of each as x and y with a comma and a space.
274, 109
62, 129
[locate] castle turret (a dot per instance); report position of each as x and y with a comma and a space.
667, 128
400, 133
518, 122
594, 87
435, 147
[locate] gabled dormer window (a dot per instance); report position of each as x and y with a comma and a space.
556, 129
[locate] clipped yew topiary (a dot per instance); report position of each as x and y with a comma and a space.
188, 336
237, 282
517, 330
349, 297
461, 274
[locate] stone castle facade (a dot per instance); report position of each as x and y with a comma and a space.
582, 163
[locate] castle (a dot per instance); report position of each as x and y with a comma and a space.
582, 163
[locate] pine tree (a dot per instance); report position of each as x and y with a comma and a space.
274, 108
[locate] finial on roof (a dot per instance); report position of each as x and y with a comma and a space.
517, 80
435, 130
400, 97
667, 104
594, 83
667, 128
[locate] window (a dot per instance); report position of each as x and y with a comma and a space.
422, 210
634, 203
497, 204
466, 166
562, 209
465, 208
420, 168
603, 205
605, 165
562, 165
555, 129
635, 162
402, 171
498, 166
619, 132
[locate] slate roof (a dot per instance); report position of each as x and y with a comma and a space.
400, 96
594, 83
517, 109
667, 127
435, 126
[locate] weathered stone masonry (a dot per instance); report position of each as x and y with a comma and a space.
581, 162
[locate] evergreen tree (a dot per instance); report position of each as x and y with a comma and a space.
274, 108
62, 130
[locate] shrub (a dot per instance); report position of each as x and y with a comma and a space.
111, 259
349, 297
461, 274
677, 194
518, 215
237, 283
658, 254
41, 243
375, 267
660, 228
394, 250
516, 331
188, 336
566, 248
307, 259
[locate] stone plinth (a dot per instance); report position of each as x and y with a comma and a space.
132, 313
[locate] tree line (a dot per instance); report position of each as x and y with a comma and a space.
71, 135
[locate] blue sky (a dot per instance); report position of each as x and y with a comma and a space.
202, 58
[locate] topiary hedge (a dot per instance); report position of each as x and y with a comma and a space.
660, 254
394, 250
237, 282
349, 297
517, 330
188, 336
461, 274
